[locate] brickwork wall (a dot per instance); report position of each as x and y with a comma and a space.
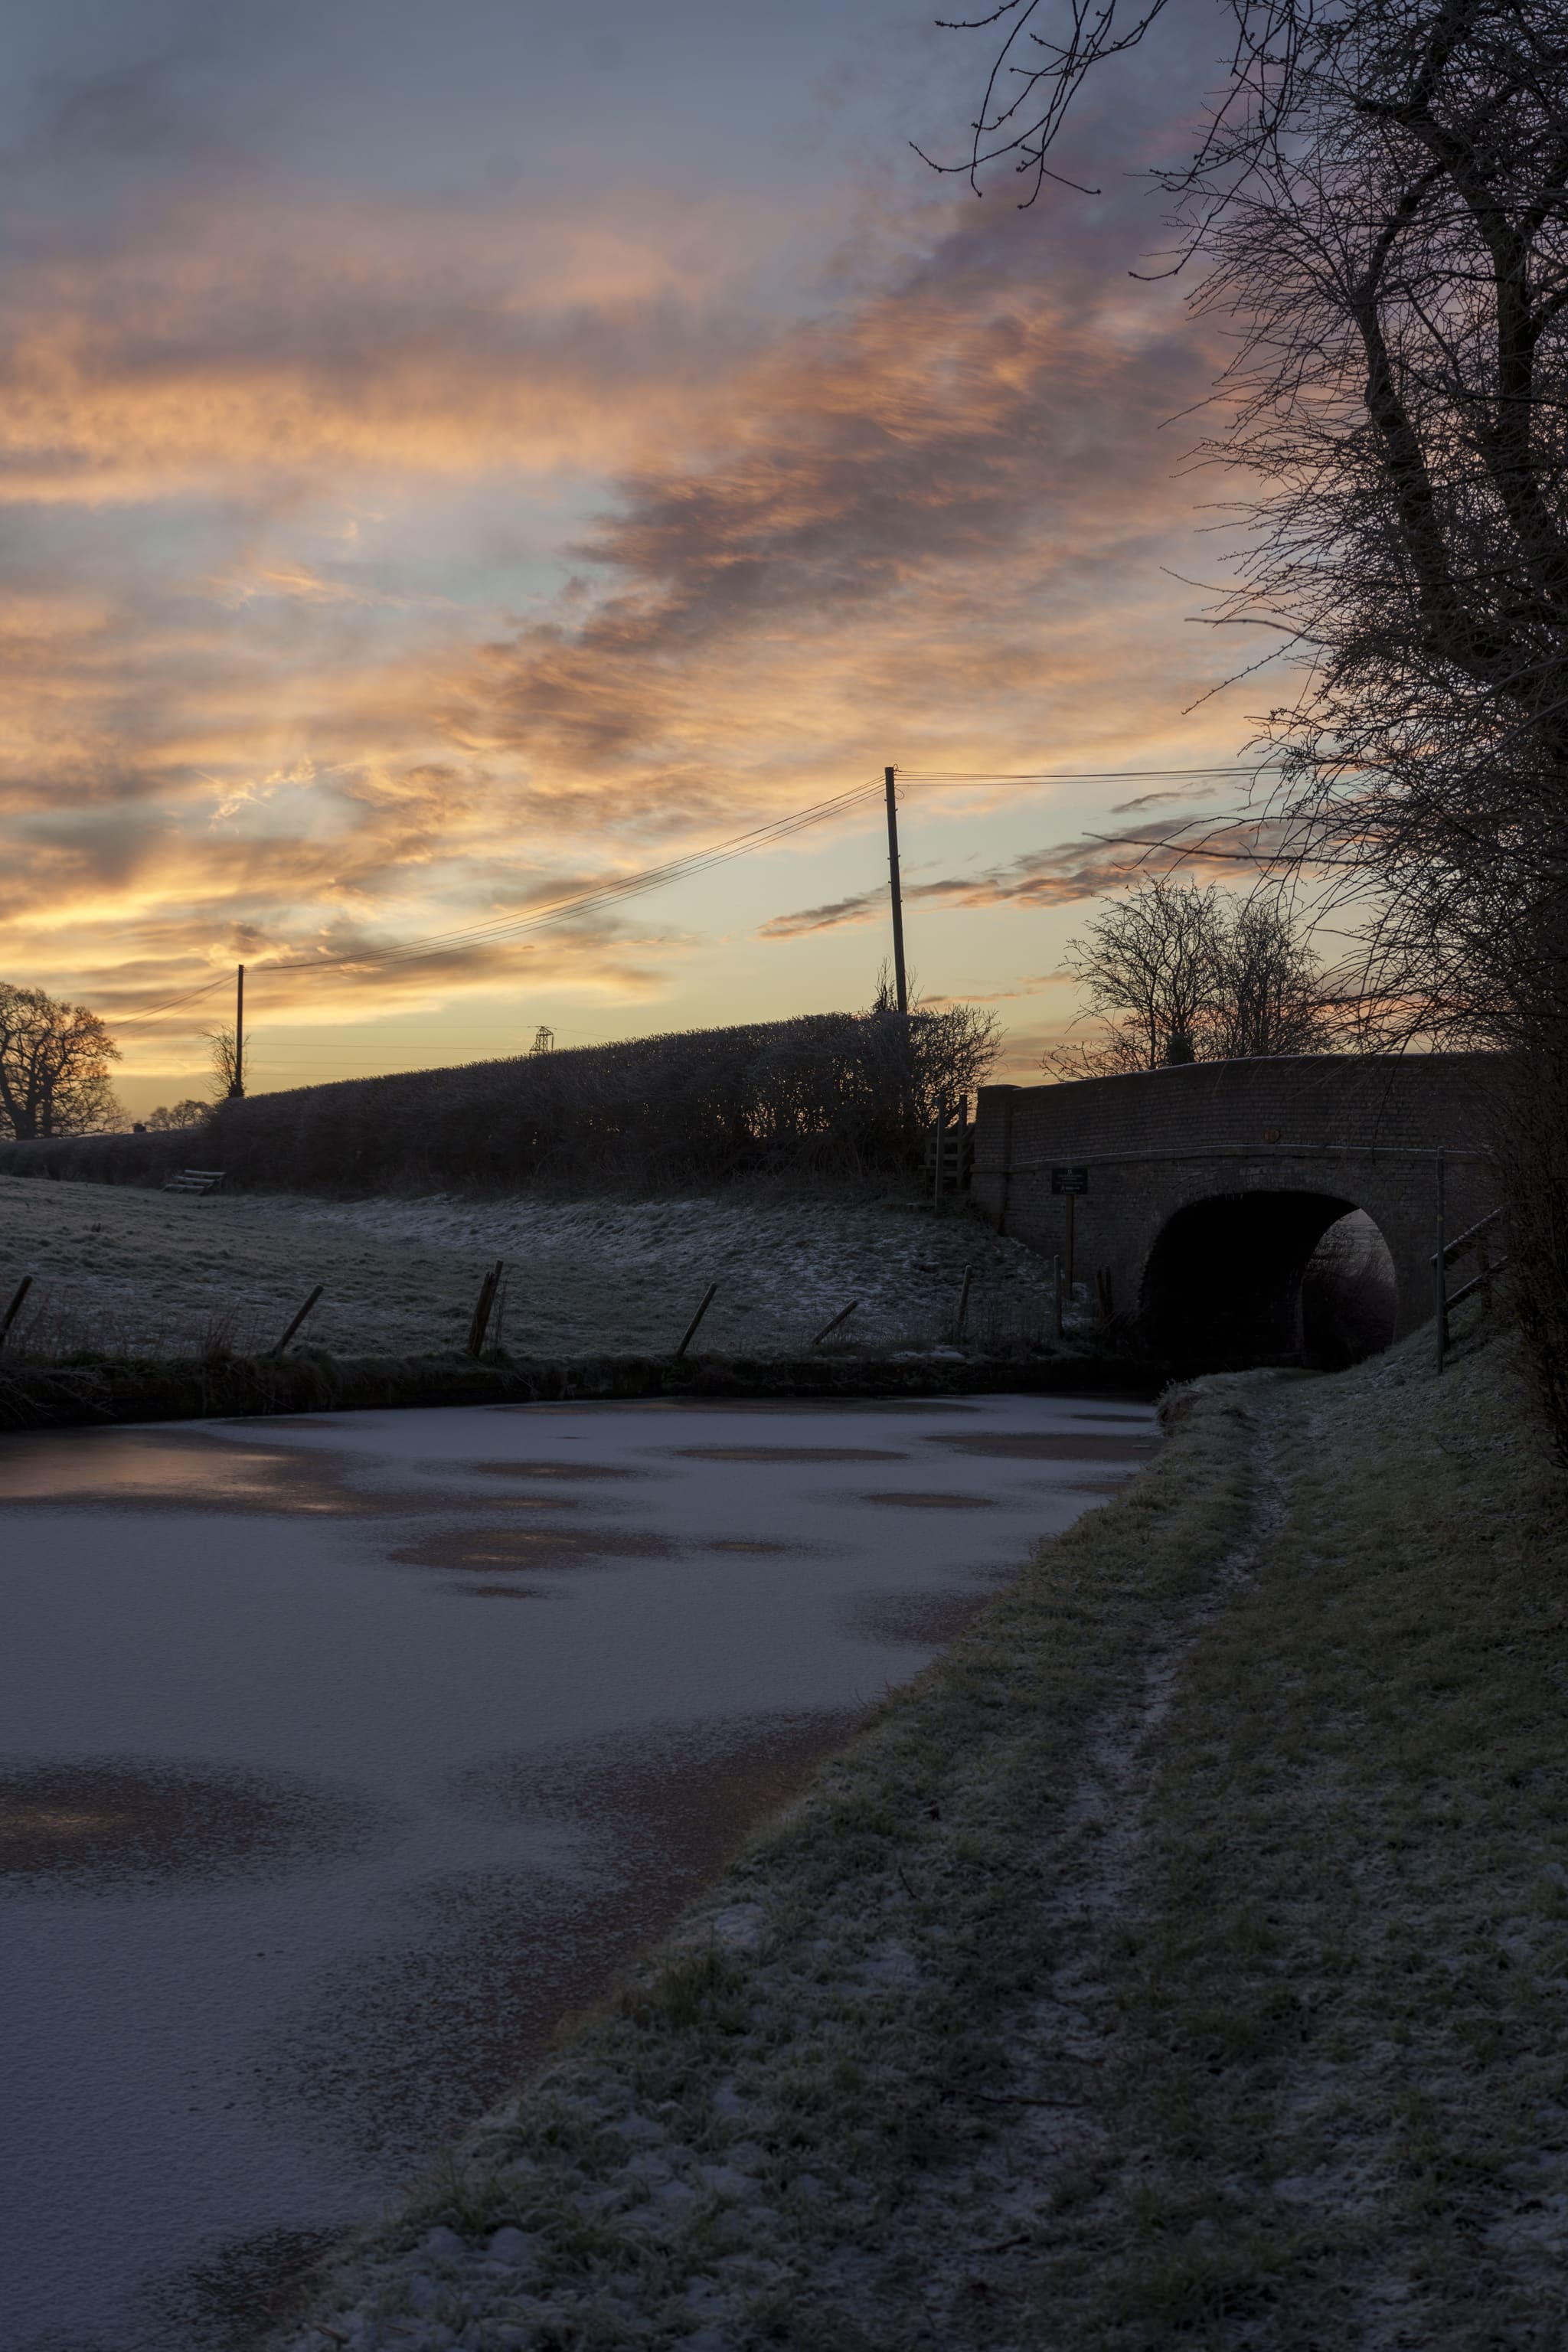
1360, 1130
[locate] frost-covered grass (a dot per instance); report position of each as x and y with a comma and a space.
1179, 1959
784, 2131
131, 1272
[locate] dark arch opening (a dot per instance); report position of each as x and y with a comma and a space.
1268, 1278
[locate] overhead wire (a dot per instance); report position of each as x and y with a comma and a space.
156, 1012
541, 918
1081, 775
578, 902
619, 889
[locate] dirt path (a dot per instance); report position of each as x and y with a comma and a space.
148, 1271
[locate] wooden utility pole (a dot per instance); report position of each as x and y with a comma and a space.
899, 981
237, 1083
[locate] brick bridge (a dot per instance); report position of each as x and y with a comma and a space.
1273, 1210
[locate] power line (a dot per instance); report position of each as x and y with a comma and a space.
155, 1012
560, 910
1081, 775
697, 862
614, 892
1204, 849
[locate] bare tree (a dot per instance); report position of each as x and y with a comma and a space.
54, 1066
229, 1063
1179, 973
1270, 996
1378, 214
1149, 966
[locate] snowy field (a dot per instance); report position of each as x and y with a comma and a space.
119, 1268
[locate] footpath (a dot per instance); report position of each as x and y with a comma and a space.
1183, 1958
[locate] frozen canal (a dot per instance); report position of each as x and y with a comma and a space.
345, 1756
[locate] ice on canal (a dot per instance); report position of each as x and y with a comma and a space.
344, 1757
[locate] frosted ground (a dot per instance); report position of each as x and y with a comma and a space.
120, 1268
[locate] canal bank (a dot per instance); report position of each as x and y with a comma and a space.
194, 1387
1180, 1955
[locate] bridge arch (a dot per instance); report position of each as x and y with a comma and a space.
1247, 1212
1268, 1277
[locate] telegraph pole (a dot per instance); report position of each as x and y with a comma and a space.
893, 884
237, 1083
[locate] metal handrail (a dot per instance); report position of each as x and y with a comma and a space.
1443, 1256
1476, 1282
1464, 1241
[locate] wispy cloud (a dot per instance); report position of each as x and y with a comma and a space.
308, 648
1062, 876
910, 505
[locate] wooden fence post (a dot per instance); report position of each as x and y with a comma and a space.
708, 1297
15, 1308
482, 1311
298, 1319
842, 1317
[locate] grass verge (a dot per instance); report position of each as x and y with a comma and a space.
1347, 1981
1181, 1960
198, 1387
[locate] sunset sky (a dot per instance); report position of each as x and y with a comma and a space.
457, 456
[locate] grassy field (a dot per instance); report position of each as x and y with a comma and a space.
1181, 1960
121, 1271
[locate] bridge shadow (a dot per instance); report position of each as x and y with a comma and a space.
1268, 1278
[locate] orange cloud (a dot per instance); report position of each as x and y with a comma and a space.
220, 345
259, 718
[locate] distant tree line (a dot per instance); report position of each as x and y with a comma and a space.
169, 1116
841, 1097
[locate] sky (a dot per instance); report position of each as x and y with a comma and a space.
454, 458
